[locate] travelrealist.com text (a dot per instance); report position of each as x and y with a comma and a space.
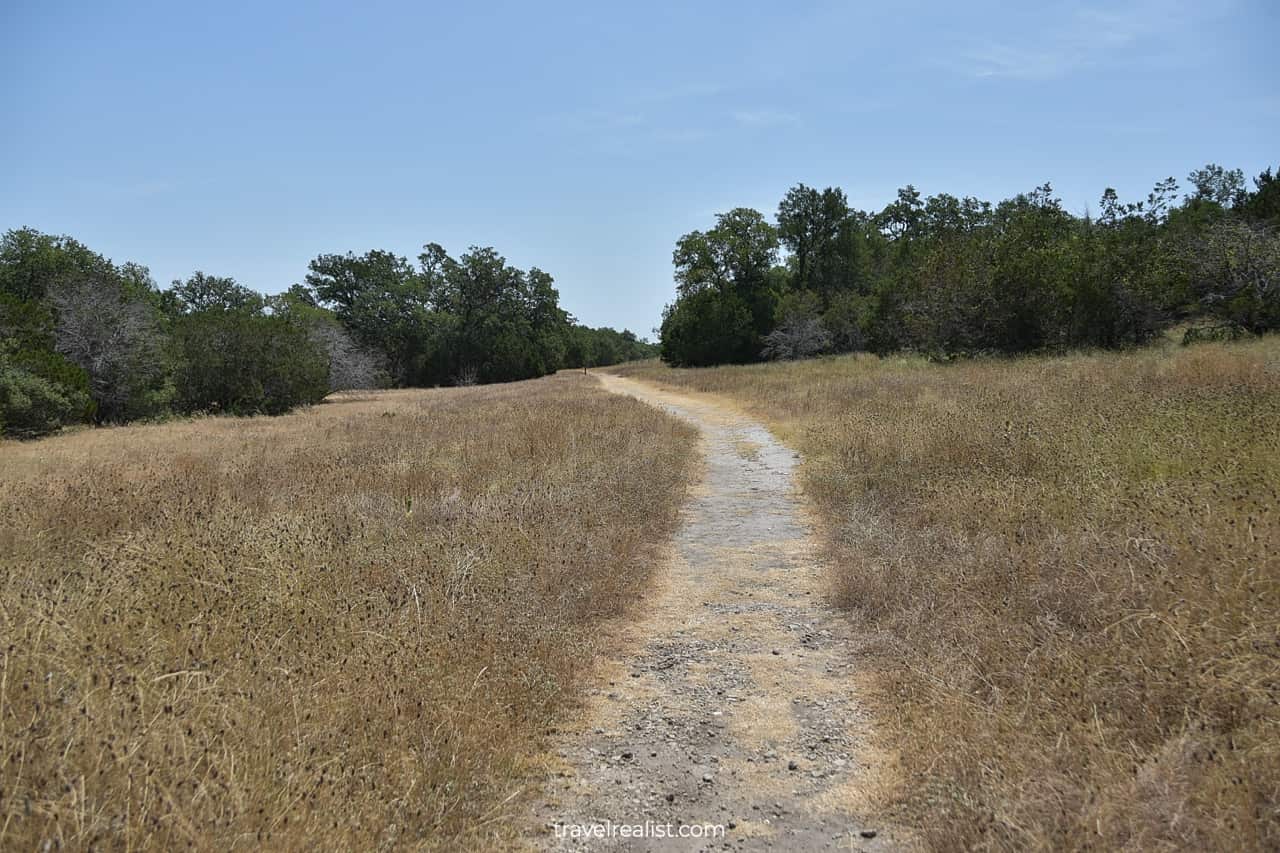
647, 829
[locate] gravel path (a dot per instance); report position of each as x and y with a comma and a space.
733, 698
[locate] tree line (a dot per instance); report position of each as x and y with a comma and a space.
950, 276
85, 340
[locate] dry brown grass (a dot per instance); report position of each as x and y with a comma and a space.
1072, 563
346, 628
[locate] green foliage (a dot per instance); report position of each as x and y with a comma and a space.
589, 347
728, 290
61, 371
59, 298
473, 318
708, 327
1262, 206
30, 262
32, 405
25, 324
383, 302
235, 358
352, 365
814, 227
203, 292
1235, 275
946, 275
1224, 187
507, 324
244, 362
113, 333
42, 390
82, 338
846, 321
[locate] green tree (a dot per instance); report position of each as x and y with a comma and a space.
500, 323
1262, 205
114, 334
708, 327
380, 299
351, 364
32, 405
30, 262
730, 268
1235, 274
811, 226
589, 347
235, 358
1224, 187
47, 341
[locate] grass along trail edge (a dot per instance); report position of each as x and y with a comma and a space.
346, 628
733, 702
1066, 572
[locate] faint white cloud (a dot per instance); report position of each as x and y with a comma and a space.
764, 118
1002, 60
144, 188
692, 90
679, 135
1085, 37
595, 120
679, 114
622, 129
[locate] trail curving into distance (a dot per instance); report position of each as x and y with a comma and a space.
733, 700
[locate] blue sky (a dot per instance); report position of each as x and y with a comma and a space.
245, 138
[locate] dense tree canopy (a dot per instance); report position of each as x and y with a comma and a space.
85, 340
474, 318
728, 291
950, 276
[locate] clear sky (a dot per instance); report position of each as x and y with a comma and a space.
243, 139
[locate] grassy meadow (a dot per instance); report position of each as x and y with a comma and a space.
347, 627
1069, 570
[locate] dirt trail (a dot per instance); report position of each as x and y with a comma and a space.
734, 700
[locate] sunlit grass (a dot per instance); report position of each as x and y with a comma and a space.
1070, 566
346, 628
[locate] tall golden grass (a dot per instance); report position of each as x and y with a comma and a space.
346, 628
1072, 566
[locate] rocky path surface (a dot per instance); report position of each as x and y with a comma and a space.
733, 700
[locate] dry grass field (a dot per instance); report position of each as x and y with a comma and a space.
1071, 572
345, 628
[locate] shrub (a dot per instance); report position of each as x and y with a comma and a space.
31, 405
800, 332
708, 327
845, 320
115, 337
1235, 273
245, 363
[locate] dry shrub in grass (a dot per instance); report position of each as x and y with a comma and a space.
1073, 563
345, 628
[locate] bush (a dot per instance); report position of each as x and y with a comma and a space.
845, 320
31, 405
800, 332
1235, 275
115, 337
708, 327
246, 363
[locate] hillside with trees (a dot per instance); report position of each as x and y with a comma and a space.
85, 340
952, 276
